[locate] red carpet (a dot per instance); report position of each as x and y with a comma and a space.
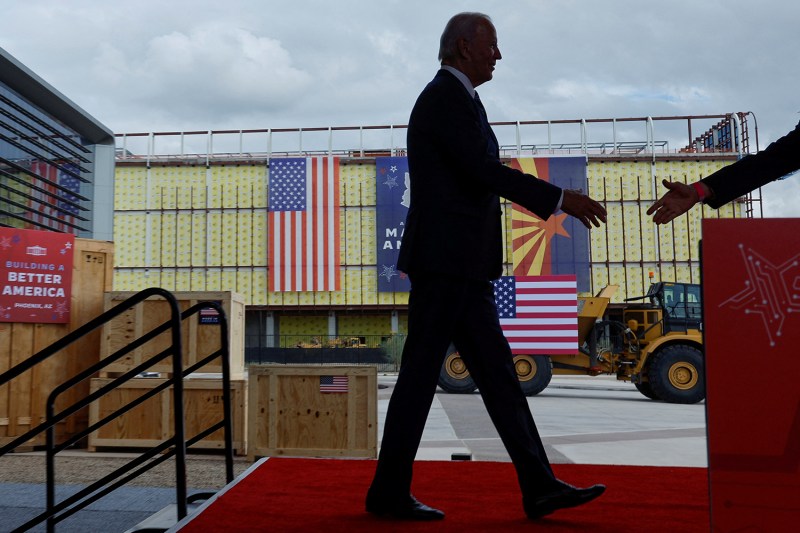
328, 495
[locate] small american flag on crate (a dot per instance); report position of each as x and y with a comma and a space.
333, 384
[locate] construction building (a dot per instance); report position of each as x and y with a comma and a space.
56, 160
191, 213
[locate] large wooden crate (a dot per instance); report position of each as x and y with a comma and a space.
22, 401
289, 415
199, 340
150, 423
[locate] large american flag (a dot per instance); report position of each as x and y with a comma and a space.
538, 314
46, 204
303, 244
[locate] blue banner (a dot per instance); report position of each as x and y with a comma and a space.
571, 255
393, 195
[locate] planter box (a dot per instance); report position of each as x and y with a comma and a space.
290, 414
22, 401
198, 339
150, 423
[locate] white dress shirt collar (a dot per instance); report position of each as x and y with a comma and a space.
462, 78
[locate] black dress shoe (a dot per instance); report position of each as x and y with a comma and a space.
562, 496
405, 509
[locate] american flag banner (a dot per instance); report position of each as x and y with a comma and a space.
538, 314
72, 184
333, 384
45, 202
303, 248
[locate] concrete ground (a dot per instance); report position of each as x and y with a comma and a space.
581, 419
585, 420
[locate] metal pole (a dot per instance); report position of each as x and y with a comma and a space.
209, 147
584, 147
737, 132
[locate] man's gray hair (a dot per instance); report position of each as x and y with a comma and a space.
461, 26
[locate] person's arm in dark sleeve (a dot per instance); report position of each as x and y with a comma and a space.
731, 182
754, 171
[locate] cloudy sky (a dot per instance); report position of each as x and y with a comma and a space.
180, 65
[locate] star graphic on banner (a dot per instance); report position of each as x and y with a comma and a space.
61, 309
391, 181
5, 243
532, 236
68, 245
771, 292
388, 272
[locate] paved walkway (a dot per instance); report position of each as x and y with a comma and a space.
582, 419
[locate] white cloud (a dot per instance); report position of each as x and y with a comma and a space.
152, 65
570, 89
779, 198
216, 70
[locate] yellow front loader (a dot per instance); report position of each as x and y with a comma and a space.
654, 341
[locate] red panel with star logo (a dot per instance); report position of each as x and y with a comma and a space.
751, 292
35, 276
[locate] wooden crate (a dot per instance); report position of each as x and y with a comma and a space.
150, 423
22, 401
199, 340
290, 416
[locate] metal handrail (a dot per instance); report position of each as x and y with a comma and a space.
261, 140
173, 447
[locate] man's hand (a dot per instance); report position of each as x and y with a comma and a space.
678, 200
580, 206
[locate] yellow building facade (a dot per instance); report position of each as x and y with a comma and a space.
188, 224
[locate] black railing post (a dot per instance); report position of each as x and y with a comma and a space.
178, 415
50, 442
226, 395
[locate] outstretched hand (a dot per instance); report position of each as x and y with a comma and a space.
580, 206
678, 200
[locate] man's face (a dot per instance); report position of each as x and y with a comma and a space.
480, 54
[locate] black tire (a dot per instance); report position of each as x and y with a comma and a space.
677, 374
454, 376
647, 390
534, 373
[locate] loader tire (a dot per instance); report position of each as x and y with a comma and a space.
534, 373
454, 376
647, 390
676, 374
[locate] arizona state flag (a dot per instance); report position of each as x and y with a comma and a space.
560, 244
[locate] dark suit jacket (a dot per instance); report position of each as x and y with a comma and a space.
454, 218
753, 171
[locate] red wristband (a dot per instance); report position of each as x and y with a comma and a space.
701, 192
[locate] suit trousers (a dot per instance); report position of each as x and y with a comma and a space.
444, 309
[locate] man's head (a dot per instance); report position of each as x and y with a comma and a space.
469, 43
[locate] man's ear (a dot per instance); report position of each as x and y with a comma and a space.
463, 48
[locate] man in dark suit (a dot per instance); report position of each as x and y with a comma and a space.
731, 182
451, 250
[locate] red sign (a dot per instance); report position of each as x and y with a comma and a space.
35, 276
751, 292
